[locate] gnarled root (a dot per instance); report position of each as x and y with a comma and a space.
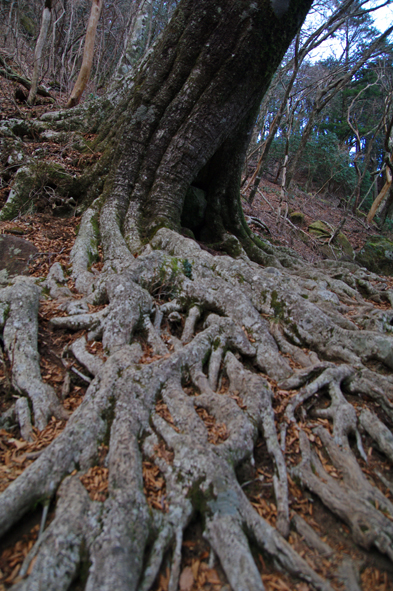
353, 499
195, 413
20, 339
127, 392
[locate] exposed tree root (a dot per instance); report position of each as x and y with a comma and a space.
378, 431
195, 412
20, 339
353, 499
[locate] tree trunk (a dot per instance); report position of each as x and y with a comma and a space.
196, 104
88, 54
46, 16
186, 342
387, 208
137, 41
377, 204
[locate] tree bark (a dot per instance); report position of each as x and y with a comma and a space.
88, 54
389, 170
198, 93
380, 197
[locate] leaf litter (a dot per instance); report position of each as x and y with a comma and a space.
54, 238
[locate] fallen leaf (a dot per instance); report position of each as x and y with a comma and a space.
19, 444
212, 577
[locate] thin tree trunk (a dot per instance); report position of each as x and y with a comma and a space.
325, 95
359, 151
284, 192
39, 48
380, 198
319, 36
88, 54
257, 176
303, 143
389, 166
136, 43
386, 210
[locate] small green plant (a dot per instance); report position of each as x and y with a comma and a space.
166, 284
187, 268
164, 287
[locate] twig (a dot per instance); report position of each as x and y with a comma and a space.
264, 198
80, 374
354, 217
43, 518
259, 479
33, 455
49, 254
337, 230
257, 222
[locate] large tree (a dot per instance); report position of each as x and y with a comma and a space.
189, 120
173, 141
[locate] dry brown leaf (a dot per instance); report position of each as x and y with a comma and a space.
19, 444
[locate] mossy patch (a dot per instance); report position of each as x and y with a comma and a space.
320, 229
41, 186
377, 255
340, 248
344, 243
28, 25
277, 306
229, 244
297, 218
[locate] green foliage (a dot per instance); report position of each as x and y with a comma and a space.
323, 161
187, 268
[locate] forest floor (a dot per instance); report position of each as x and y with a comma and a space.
54, 237
326, 207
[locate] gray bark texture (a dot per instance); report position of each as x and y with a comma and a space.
229, 336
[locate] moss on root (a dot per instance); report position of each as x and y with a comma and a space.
42, 181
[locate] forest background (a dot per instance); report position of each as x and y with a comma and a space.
326, 114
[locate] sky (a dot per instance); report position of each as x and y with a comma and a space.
383, 18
